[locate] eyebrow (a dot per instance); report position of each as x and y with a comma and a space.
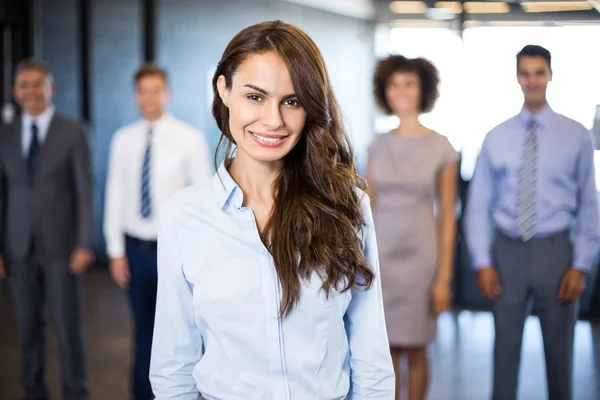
263, 91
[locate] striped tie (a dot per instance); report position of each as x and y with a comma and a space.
526, 214
146, 203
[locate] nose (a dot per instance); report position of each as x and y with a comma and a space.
271, 116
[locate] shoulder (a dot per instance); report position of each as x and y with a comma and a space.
569, 125
365, 202
68, 124
8, 129
441, 140
5, 132
378, 142
380, 138
73, 130
447, 154
192, 203
186, 130
498, 134
573, 131
122, 134
499, 129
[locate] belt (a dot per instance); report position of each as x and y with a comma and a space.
542, 236
144, 244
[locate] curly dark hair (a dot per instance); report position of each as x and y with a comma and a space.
424, 69
317, 211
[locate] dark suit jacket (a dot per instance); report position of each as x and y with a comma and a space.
53, 206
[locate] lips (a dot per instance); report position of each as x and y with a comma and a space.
267, 140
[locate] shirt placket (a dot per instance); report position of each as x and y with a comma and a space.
272, 299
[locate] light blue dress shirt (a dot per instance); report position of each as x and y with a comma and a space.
217, 330
43, 123
566, 187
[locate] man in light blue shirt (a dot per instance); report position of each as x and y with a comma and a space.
534, 179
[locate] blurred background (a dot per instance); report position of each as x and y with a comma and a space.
94, 47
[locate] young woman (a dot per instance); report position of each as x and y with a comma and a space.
269, 283
410, 170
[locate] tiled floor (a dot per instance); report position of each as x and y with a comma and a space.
461, 356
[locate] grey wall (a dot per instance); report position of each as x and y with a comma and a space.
193, 34
116, 52
59, 43
190, 37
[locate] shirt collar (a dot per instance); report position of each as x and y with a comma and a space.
158, 122
542, 117
228, 191
41, 120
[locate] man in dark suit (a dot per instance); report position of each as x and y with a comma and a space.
45, 228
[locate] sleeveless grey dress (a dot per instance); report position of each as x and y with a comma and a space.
404, 174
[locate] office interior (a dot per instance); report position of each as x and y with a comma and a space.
94, 47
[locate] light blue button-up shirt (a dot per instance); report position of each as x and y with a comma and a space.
565, 193
217, 330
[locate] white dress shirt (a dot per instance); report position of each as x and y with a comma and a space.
42, 121
217, 331
179, 157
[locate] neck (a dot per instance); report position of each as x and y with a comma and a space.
534, 108
409, 125
154, 117
36, 113
255, 178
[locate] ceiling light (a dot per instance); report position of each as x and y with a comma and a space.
453, 6
555, 6
486, 7
408, 7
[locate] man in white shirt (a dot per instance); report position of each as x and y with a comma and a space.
149, 161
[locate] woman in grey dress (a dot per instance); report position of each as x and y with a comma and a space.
411, 171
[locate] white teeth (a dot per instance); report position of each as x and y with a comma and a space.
265, 139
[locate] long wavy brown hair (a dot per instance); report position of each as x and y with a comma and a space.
317, 217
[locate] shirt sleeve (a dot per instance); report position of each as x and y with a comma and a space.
177, 342
587, 237
478, 220
449, 154
371, 365
114, 201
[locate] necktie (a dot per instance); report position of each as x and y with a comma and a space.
34, 147
526, 214
146, 201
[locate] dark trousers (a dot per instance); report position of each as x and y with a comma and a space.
142, 295
34, 284
530, 274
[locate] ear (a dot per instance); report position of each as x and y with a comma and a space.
223, 90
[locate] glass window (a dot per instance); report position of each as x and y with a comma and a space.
478, 76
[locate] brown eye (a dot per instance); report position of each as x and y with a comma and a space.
254, 97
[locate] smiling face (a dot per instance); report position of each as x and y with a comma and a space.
152, 95
403, 93
533, 75
33, 91
265, 119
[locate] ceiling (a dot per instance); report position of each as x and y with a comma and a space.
362, 9
387, 11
